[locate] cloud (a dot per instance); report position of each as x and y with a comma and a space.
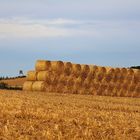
49, 28
30, 28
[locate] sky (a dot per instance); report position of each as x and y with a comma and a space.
99, 32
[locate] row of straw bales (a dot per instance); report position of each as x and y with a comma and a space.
65, 77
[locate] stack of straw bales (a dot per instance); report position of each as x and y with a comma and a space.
65, 77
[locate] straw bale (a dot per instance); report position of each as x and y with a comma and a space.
137, 89
117, 70
86, 84
94, 68
44, 76
124, 71
76, 70
78, 82
63, 79
99, 76
31, 76
132, 87
27, 86
57, 66
67, 68
130, 71
129, 77
39, 86
42, 65
102, 70
96, 85
111, 71
70, 81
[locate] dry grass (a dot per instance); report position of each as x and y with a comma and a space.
50, 116
15, 82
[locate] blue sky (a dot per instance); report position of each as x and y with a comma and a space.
101, 32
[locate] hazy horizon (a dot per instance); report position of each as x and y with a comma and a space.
96, 32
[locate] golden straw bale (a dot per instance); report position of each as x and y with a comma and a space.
94, 68
124, 71
137, 89
125, 85
84, 71
108, 77
117, 70
130, 71
31, 76
67, 68
60, 88
62, 79
44, 76
42, 65
86, 84
99, 76
111, 71
70, 81
78, 82
96, 85
102, 70
136, 78
85, 68
110, 88
57, 66
76, 70
132, 87
27, 86
129, 77
90, 76
39, 86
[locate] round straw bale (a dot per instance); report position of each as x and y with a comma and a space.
76, 70
111, 71
137, 89
110, 88
78, 82
42, 65
130, 71
102, 70
90, 76
86, 84
108, 77
27, 86
132, 87
117, 70
44, 76
63, 79
57, 66
54, 81
60, 88
129, 77
125, 85
85, 70
96, 85
99, 76
70, 81
31, 76
124, 71
67, 68
39, 86
94, 68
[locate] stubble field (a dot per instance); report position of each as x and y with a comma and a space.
41, 116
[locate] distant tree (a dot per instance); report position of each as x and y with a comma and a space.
20, 72
135, 67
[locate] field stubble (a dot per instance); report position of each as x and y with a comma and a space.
38, 115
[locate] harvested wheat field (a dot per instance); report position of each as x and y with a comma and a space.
51, 116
